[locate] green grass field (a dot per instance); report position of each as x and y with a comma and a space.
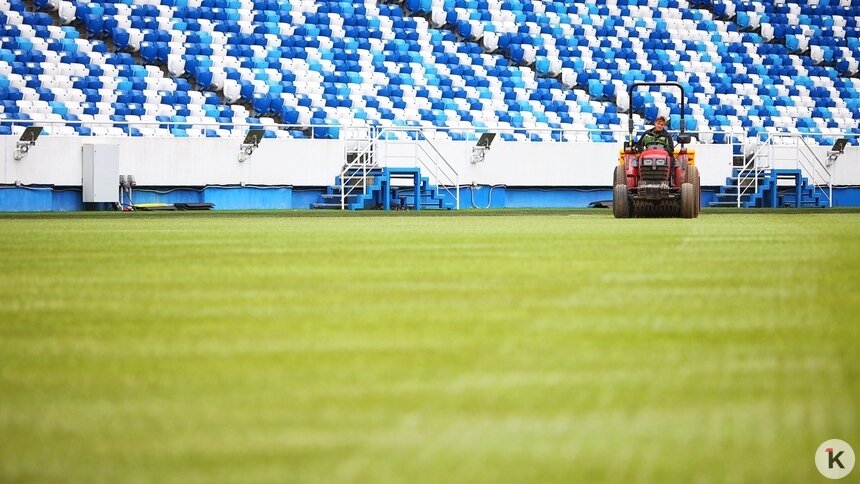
557, 346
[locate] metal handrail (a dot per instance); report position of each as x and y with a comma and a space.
746, 168
532, 133
282, 126
379, 142
815, 173
360, 161
451, 176
813, 168
455, 181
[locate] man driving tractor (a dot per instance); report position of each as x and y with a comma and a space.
657, 136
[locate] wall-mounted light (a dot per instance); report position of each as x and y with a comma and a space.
27, 141
479, 151
251, 142
837, 149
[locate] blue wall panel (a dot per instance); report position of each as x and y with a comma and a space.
846, 197
166, 195
30, 199
224, 198
554, 197
304, 197
478, 197
244, 198
18, 199
67, 200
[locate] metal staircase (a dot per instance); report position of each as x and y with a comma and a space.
783, 170
385, 169
769, 191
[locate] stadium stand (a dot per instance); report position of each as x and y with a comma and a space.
739, 79
210, 68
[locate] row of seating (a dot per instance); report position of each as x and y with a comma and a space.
231, 70
828, 34
545, 41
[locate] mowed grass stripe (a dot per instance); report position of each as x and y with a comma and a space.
550, 346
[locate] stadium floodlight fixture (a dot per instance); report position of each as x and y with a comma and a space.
27, 141
839, 145
479, 151
251, 143
837, 150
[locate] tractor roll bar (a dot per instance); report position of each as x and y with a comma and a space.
640, 84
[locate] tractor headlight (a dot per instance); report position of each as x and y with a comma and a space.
661, 161
648, 162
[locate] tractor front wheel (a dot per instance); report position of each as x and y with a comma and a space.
688, 200
620, 202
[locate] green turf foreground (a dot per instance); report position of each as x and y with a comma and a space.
539, 347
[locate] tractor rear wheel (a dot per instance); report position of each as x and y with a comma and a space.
688, 200
620, 202
692, 176
620, 176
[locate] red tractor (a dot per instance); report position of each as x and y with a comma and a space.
651, 182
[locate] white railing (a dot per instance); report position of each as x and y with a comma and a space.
421, 152
163, 129
772, 151
750, 172
817, 171
381, 151
446, 176
155, 128
355, 170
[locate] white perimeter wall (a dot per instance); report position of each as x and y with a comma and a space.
214, 161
